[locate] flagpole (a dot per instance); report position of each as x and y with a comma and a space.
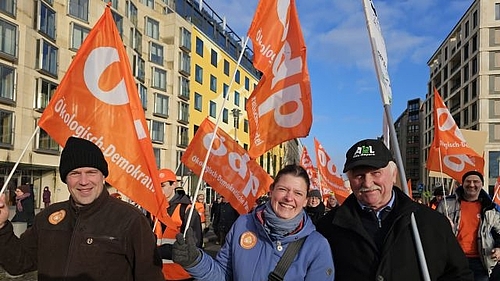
380, 60
209, 150
442, 181
19, 160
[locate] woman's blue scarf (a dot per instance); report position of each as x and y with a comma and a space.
276, 227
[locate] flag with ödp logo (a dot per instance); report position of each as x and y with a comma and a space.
449, 152
229, 170
280, 108
97, 100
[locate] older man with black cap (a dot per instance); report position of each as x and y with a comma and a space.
474, 218
370, 234
91, 236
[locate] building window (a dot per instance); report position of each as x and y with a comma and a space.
149, 3
199, 46
225, 89
226, 67
47, 57
212, 109
182, 136
152, 28
131, 12
143, 95
157, 153
114, 3
213, 83
247, 83
225, 115
45, 143
185, 39
198, 74
213, 58
6, 128
474, 19
237, 76
136, 39
161, 105
159, 78
183, 112
8, 7
79, 33
118, 22
185, 63
157, 131
8, 39
236, 98
79, 9
198, 102
45, 91
155, 53
184, 87
47, 20
139, 67
245, 126
7, 82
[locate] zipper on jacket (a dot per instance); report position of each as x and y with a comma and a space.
72, 241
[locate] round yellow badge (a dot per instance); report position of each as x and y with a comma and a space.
57, 217
248, 240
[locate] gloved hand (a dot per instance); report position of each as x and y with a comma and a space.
184, 251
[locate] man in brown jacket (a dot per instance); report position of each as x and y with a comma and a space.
91, 236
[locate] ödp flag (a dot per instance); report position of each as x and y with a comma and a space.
280, 108
328, 173
229, 169
379, 51
307, 164
449, 152
97, 100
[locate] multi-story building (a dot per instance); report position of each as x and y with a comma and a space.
40, 38
407, 128
465, 70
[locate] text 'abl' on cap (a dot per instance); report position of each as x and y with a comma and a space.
368, 152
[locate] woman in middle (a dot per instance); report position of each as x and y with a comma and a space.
257, 240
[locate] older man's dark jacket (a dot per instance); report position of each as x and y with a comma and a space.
107, 240
357, 257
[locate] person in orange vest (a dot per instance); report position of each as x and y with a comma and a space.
179, 206
201, 209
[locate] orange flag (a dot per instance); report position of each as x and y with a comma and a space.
97, 100
449, 152
307, 164
410, 191
229, 169
496, 192
328, 173
280, 108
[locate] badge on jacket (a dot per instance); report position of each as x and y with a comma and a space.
57, 217
248, 240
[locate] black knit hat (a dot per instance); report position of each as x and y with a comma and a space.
78, 153
473, 173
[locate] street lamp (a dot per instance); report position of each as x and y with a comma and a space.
236, 118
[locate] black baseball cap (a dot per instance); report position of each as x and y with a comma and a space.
368, 152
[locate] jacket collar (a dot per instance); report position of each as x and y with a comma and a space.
92, 207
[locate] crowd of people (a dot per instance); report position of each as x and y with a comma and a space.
292, 233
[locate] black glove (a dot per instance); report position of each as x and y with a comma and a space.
184, 251
165, 251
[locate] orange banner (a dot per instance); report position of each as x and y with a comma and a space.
307, 164
496, 192
328, 173
97, 100
229, 169
280, 108
449, 152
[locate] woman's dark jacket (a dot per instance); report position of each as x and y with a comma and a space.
357, 257
106, 240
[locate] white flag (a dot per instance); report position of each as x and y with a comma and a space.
378, 50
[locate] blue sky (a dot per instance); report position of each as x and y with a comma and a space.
347, 106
